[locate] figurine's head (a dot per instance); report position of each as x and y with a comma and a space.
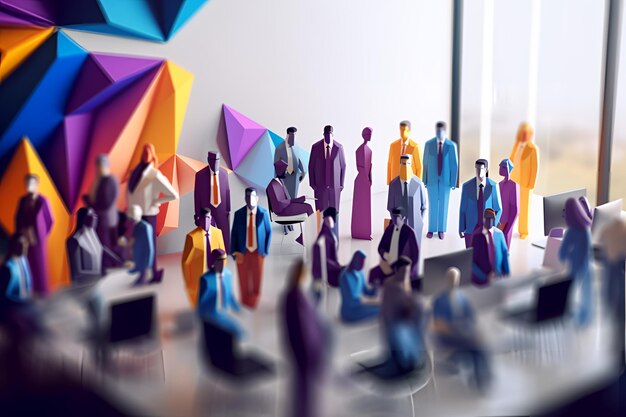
405, 129
86, 217
330, 217
219, 259
402, 268
280, 167
18, 245
440, 130
213, 158
134, 213
31, 181
366, 134
406, 172
489, 218
397, 216
525, 133
575, 216
203, 219
506, 166
328, 133
102, 165
358, 261
291, 136
482, 169
453, 276
149, 155
252, 199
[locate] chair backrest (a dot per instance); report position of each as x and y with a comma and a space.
132, 319
219, 345
269, 206
552, 299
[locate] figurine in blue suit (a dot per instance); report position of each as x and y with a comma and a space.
478, 194
441, 168
143, 244
16, 280
491, 255
216, 296
250, 244
354, 307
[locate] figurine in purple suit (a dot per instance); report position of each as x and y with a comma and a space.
34, 220
398, 239
327, 171
212, 193
102, 198
279, 198
362, 197
326, 266
306, 339
509, 195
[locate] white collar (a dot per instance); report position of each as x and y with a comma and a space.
251, 211
483, 182
332, 141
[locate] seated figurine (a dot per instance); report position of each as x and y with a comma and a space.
325, 263
491, 255
355, 307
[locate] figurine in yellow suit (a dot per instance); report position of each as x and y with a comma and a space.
403, 146
197, 260
525, 157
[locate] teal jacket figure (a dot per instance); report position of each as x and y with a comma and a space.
576, 252
478, 194
216, 297
143, 244
352, 286
15, 275
491, 254
441, 170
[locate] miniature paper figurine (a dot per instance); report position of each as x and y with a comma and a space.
16, 281
326, 267
491, 255
295, 171
278, 195
144, 253
84, 249
356, 302
403, 146
509, 194
362, 194
525, 158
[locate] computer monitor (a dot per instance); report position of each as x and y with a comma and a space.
554, 206
434, 280
604, 215
132, 319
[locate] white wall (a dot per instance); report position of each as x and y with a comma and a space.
349, 63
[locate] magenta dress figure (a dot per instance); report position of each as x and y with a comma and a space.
509, 194
34, 220
362, 197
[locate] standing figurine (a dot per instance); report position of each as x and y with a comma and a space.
525, 157
509, 194
490, 255
197, 259
576, 251
477, 194
143, 244
251, 236
362, 197
441, 169
84, 249
102, 198
295, 171
212, 193
34, 220
15, 276
327, 171
326, 265
403, 146
149, 188
407, 191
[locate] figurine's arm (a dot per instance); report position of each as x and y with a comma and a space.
342, 166
454, 166
534, 165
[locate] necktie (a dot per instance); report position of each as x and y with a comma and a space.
209, 264
290, 160
403, 149
406, 196
250, 230
492, 251
439, 159
481, 204
328, 166
216, 190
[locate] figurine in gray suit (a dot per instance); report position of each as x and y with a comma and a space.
295, 172
84, 249
408, 192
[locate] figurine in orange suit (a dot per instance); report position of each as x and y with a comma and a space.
403, 146
525, 158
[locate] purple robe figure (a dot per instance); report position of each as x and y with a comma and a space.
279, 198
325, 252
362, 197
398, 240
34, 220
307, 342
217, 201
103, 199
327, 171
509, 196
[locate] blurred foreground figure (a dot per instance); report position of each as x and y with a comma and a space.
15, 276
85, 252
142, 243
454, 327
576, 253
326, 267
354, 306
307, 343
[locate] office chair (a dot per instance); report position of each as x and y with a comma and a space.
288, 221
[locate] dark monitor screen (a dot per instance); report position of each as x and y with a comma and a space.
132, 319
435, 268
554, 206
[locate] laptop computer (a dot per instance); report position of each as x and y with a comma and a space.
132, 319
550, 303
434, 280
